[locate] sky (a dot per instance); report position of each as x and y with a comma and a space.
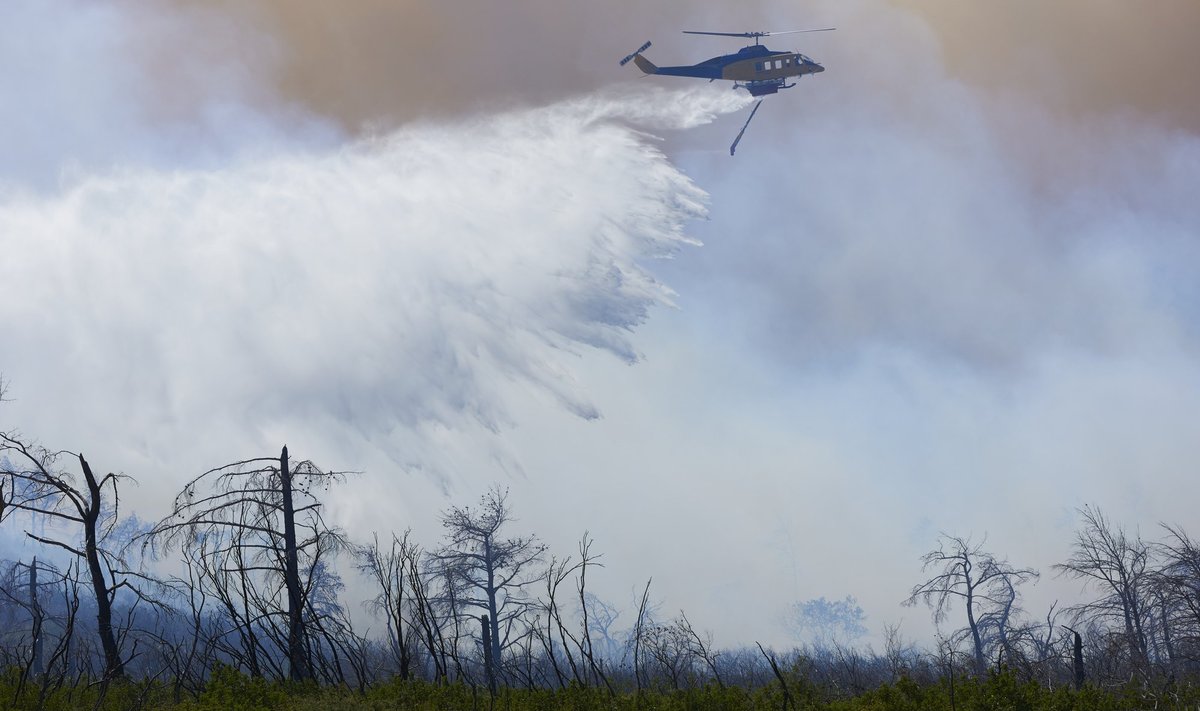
948, 285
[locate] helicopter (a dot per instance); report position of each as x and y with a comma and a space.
758, 70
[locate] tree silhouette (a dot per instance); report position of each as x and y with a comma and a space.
486, 571
1119, 566
261, 526
986, 586
33, 483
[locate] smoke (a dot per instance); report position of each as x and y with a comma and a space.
901, 215
973, 308
1077, 55
200, 267
376, 61
96, 86
948, 284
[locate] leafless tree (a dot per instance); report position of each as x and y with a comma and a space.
83, 519
388, 571
637, 639
700, 647
1119, 567
677, 652
602, 620
900, 656
586, 647
259, 521
779, 676
486, 571
190, 653
1178, 580
21, 610
567, 646
430, 624
576, 647
59, 629
986, 587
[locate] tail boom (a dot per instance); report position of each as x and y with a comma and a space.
645, 64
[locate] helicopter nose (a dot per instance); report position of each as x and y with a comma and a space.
816, 68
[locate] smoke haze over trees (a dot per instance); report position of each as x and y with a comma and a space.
258, 593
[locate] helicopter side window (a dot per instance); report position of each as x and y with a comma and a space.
779, 64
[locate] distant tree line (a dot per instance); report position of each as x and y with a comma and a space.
245, 574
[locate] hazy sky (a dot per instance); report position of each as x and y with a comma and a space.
947, 285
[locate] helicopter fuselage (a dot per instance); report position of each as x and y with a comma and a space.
758, 69
755, 68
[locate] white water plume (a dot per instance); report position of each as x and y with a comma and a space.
658, 107
388, 287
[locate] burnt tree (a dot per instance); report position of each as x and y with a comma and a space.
986, 587
82, 518
1119, 567
388, 570
260, 524
487, 571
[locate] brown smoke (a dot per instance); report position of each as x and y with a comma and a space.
369, 60
1078, 55
361, 61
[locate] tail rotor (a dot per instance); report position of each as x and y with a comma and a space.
641, 49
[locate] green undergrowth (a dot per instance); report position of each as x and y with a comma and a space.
229, 690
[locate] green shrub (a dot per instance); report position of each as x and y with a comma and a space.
230, 690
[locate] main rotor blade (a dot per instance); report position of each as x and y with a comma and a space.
727, 34
792, 32
756, 34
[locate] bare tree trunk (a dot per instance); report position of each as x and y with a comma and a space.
1168, 639
489, 661
430, 632
637, 638
491, 592
1077, 659
35, 609
113, 666
297, 656
586, 648
976, 640
787, 694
